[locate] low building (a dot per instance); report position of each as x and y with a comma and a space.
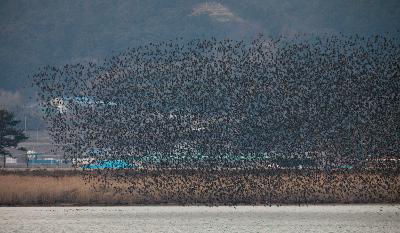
10, 160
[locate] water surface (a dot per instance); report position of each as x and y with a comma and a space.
322, 218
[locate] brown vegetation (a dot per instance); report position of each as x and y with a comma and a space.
195, 187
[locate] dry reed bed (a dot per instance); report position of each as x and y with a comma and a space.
197, 187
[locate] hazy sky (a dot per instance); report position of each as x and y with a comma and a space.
35, 33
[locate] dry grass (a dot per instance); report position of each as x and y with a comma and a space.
51, 190
209, 188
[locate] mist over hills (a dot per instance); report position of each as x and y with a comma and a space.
38, 33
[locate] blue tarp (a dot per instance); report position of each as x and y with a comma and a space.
42, 161
109, 164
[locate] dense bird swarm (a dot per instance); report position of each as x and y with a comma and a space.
303, 101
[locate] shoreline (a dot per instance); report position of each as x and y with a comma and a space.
394, 204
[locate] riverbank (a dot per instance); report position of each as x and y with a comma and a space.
193, 187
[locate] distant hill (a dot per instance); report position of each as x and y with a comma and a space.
38, 33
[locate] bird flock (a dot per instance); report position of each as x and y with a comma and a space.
292, 102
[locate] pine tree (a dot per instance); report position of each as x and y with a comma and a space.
10, 136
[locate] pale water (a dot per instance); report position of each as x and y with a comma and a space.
339, 218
